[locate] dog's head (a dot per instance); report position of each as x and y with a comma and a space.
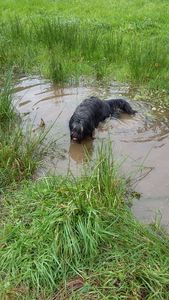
77, 132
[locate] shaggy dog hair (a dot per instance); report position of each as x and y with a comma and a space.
92, 111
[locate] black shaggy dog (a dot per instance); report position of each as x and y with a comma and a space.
92, 111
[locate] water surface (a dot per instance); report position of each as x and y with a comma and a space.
140, 141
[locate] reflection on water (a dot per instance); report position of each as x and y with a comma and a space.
81, 152
142, 141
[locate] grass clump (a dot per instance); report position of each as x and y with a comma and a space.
19, 154
147, 60
7, 113
62, 228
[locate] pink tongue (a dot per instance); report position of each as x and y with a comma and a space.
74, 139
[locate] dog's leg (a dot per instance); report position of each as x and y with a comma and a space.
121, 104
128, 109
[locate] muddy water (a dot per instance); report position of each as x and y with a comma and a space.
140, 143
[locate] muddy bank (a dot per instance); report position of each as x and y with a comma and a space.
139, 143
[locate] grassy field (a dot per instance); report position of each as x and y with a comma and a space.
64, 237
64, 40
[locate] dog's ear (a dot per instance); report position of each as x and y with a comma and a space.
74, 126
81, 128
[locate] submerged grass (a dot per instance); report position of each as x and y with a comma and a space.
19, 153
63, 228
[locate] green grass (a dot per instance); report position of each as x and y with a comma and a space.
6, 110
106, 40
61, 228
20, 153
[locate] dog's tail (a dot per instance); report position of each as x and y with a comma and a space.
121, 104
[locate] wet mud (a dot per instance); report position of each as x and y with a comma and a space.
139, 143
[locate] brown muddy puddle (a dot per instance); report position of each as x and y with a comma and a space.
139, 143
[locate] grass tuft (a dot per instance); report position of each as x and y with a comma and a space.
147, 59
7, 113
20, 153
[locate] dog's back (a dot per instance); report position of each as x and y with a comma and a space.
91, 109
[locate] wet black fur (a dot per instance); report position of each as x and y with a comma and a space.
92, 111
